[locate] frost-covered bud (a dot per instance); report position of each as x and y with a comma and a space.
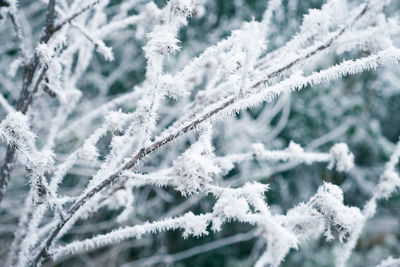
255, 195
116, 120
42, 161
37, 164
389, 181
341, 157
328, 191
321, 20
88, 153
195, 167
193, 171
329, 202
234, 204
14, 129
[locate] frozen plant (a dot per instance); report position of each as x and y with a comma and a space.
137, 120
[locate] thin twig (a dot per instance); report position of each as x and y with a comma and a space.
74, 15
18, 33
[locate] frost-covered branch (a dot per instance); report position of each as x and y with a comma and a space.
136, 115
26, 96
387, 184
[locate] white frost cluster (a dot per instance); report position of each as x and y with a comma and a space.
37, 165
329, 202
341, 157
196, 167
47, 54
304, 222
323, 213
194, 225
231, 76
116, 120
104, 50
41, 162
388, 183
88, 152
320, 20
15, 130
183, 8
234, 204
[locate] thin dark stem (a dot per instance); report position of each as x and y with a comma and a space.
18, 33
73, 16
291, 64
50, 15
36, 87
313, 52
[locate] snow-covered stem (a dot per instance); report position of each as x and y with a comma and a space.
391, 56
293, 153
12, 13
26, 96
184, 222
74, 15
195, 125
387, 184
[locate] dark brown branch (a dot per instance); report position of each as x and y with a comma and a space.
36, 87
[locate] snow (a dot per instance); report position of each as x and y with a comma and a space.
147, 157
